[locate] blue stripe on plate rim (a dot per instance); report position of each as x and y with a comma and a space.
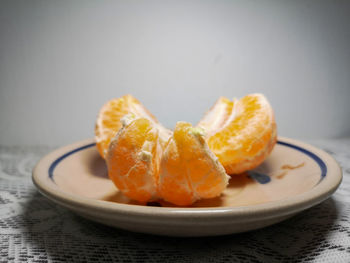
317, 159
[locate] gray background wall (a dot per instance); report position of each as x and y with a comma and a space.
61, 60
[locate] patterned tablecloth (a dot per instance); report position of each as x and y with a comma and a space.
33, 229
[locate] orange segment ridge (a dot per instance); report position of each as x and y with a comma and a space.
216, 117
246, 134
189, 170
133, 159
109, 120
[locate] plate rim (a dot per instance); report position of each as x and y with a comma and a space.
282, 207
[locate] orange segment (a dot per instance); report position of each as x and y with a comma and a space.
189, 170
216, 117
109, 120
246, 137
133, 160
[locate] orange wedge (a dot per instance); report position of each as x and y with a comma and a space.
217, 116
133, 159
109, 118
189, 171
246, 132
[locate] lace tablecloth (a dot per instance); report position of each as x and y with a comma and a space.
34, 229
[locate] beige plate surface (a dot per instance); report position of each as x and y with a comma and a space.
296, 176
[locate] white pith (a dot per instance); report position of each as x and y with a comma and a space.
216, 164
127, 119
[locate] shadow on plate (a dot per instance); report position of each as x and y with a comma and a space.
97, 165
237, 185
56, 234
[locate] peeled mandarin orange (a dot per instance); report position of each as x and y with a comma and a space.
133, 159
109, 120
148, 162
245, 136
189, 171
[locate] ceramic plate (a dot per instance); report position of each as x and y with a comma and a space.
296, 176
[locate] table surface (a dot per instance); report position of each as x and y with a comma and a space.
34, 229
